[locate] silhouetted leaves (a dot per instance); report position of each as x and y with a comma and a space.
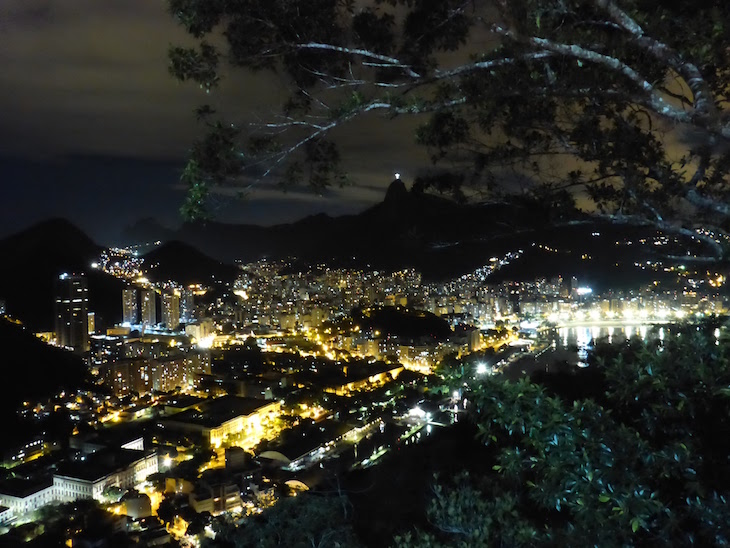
619, 103
649, 465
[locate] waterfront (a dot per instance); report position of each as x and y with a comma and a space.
568, 346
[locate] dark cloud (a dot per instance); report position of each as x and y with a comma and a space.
90, 115
90, 77
101, 195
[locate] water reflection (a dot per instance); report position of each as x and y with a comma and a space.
580, 339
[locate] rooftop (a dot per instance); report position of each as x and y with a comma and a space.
301, 440
215, 412
21, 488
101, 464
183, 401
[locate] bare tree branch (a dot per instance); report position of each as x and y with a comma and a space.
703, 103
651, 97
390, 61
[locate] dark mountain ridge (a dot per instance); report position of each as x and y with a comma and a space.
52, 235
183, 263
33, 371
36, 257
404, 224
438, 236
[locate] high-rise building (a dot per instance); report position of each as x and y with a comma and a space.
149, 307
142, 375
91, 323
187, 306
171, 310
130, 310
72, 305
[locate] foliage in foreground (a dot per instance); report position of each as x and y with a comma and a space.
304, 521
623, 102
640, 457
648, 464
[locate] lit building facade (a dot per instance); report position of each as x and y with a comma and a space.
130, 309
149, 307
187, 306
71, 312
215, 498
249, 424
226, 416
90, 481
105, 349
374, 379
26, 497
171, 310
143, 375
124, 468
201, 329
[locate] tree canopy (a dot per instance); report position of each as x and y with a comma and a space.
643, 459
296, 522
616, 106
630, 451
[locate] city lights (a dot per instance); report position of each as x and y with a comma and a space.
313, 342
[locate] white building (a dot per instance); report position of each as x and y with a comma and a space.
23, 497
200, 330
123, 469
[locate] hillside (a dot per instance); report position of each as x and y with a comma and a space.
32, 262
405, 222
183, 263
439, 237
33, 371
401, 322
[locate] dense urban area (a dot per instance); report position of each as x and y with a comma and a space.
225, 324
213, 402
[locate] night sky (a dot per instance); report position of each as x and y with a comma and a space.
93, 128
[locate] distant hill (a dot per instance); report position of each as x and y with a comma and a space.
394, 233
402, 322
183, 263
55, 240
32, 261
439, 237
33, 371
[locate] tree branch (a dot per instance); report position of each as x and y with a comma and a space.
390, 61
375, 105
634, 220
703, 102
697, 199
653, 99
486, 65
